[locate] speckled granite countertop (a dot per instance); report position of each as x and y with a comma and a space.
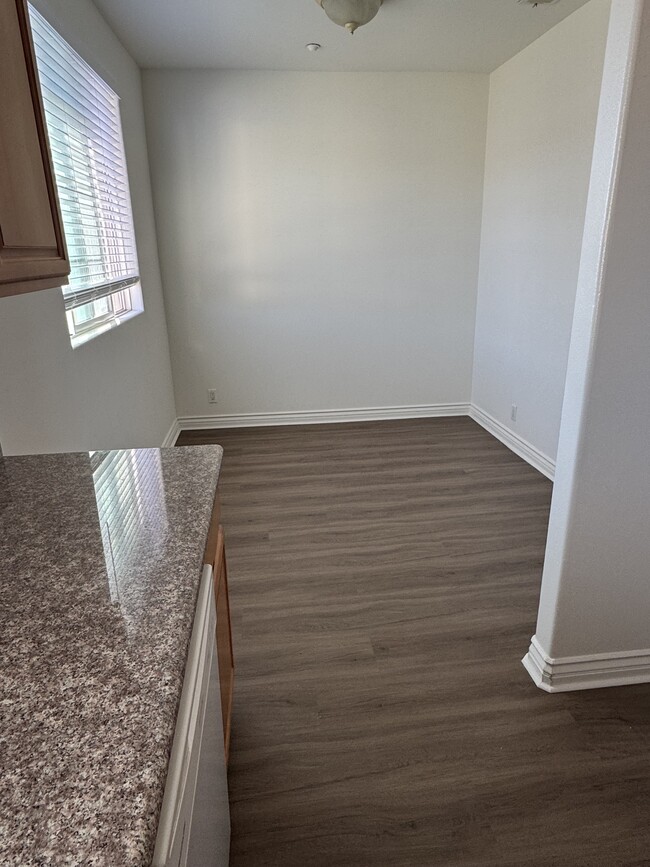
100, 562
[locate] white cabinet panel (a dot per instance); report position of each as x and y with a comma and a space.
194, 827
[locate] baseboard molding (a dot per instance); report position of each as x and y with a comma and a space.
586, 672
325, 416
172, 434
515, 443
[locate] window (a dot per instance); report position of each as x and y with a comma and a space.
83, 122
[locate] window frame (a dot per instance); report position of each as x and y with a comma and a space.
126, 301
132, 306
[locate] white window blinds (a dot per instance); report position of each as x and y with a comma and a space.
83, 122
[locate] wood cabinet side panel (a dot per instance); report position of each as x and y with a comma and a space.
224, 640
32, 243
210, 555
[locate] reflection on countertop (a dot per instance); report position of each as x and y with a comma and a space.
130, 495
100, 562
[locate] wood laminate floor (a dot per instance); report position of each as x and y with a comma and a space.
384, 583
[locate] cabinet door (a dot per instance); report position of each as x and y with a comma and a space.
32, 246
224, 638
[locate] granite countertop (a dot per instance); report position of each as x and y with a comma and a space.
100, 562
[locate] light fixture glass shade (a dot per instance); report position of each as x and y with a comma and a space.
351, 13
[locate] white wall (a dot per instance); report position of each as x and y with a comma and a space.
116, 390
596, 588
541, 124
319, 235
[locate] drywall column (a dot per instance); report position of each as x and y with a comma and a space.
540, 142
594, 619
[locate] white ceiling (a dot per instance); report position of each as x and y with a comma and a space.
467, 35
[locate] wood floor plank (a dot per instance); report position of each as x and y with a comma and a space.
384, 582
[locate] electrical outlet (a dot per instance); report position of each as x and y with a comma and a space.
212, 395
513, 412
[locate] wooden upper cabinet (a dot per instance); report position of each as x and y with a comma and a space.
32, 244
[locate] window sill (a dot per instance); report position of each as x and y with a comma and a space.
84, 337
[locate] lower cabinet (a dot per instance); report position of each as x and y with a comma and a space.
194, 826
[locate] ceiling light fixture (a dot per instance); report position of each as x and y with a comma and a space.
350, 13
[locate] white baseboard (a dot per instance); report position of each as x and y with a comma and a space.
586, 672
515, 443
324, 416
172, 434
